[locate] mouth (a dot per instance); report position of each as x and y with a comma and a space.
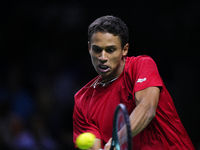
103, 68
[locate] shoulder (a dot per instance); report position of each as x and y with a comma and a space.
135, 62
138, 59
138, 65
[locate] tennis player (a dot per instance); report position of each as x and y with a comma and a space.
133, 81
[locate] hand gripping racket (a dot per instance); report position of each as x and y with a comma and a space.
121, 136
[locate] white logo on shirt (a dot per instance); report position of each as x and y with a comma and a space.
141, 80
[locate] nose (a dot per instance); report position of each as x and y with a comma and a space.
103, 56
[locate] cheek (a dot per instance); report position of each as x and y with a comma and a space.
115, 61
116, 58
94, 59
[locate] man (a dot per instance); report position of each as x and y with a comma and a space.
134, 81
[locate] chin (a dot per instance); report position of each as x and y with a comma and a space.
106, 76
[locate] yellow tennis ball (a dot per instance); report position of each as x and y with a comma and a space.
85, 140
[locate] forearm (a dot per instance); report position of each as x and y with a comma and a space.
141, 117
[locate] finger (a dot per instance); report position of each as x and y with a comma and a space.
108, 145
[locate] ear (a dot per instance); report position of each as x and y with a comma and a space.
125, 50
89, 48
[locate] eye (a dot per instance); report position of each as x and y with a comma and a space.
96, 49
110, 50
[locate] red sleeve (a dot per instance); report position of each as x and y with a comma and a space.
81, 124
147, 74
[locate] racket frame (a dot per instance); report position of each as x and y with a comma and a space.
115, 140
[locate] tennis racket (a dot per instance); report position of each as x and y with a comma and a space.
121, 136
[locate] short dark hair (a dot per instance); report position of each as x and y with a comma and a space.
110, 24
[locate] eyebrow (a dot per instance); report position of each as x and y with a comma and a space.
95, 46
111, 46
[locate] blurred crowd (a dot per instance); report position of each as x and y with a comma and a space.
38, 76
36, 114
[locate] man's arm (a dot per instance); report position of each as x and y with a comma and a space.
146, 101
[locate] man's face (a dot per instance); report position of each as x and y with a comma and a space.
107, 54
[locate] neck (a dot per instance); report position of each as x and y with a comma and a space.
109, 79
96, 83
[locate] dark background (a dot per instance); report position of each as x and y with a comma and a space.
44, 61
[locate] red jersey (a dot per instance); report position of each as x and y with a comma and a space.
94, 108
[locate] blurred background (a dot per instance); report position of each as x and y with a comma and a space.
44, 61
